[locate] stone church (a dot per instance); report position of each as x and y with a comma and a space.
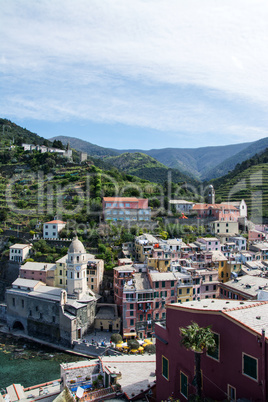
50, 313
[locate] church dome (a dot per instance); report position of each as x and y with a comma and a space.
76, 246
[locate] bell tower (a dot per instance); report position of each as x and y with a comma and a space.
76, 269
211, 194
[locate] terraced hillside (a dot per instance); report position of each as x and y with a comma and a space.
251, 185
148, 168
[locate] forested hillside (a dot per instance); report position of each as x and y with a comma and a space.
248, 181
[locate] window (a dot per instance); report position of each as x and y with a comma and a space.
157, 284
131, 313
216, 352
156, 304
53, 318
172, 283
184, 385
156, 294
157, 316
54, 233
41, 316
163, 284
231, 392
131, 306
141, 317
207, 288
250, 367
60, 281
13, 302
131, 322
36, 308
188, 290
180, 291
163, 316
165, 367
60, 272
92, 279
172, 292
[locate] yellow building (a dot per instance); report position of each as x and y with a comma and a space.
184, 287
159, 264
226, 268
144, 246
95, 271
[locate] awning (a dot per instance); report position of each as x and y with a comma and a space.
129, 334
79, 392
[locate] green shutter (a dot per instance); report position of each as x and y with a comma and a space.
184, 385
250, 366
165, 367
215, 353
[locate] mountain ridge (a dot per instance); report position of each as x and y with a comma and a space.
195, 162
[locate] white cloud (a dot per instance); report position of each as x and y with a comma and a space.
130, 62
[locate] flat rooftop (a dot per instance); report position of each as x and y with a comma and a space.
138, 372
252, 314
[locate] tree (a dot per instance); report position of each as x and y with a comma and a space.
116, 338
197, 339
133, 344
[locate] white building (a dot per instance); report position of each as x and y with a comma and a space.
182, 205
240, 242
19, 252
52, 229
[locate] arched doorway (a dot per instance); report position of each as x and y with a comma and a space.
18, 325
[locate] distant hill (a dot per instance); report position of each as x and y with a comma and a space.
195, 162
11, 131
147, 168
229, 163
85, 146
248, 181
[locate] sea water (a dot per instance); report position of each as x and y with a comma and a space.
29, 363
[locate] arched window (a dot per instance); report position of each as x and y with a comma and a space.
77, 258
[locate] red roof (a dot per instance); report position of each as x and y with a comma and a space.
55, 222
120, 199
214, 206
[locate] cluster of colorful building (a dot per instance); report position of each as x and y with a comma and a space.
159, 287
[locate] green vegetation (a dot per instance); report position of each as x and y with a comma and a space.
228, 164
194, 162
147, 168
116, 338
197, 339
248, 181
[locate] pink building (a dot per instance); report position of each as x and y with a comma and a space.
126, 209
220, 212
256, 235
38, 271
122, 275
236, 369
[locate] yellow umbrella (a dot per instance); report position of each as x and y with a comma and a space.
119, 345
147, 340
134, 350
125, 347
148, 343
140, 348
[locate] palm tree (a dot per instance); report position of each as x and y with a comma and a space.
197, 339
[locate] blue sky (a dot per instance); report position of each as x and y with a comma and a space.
136, 74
